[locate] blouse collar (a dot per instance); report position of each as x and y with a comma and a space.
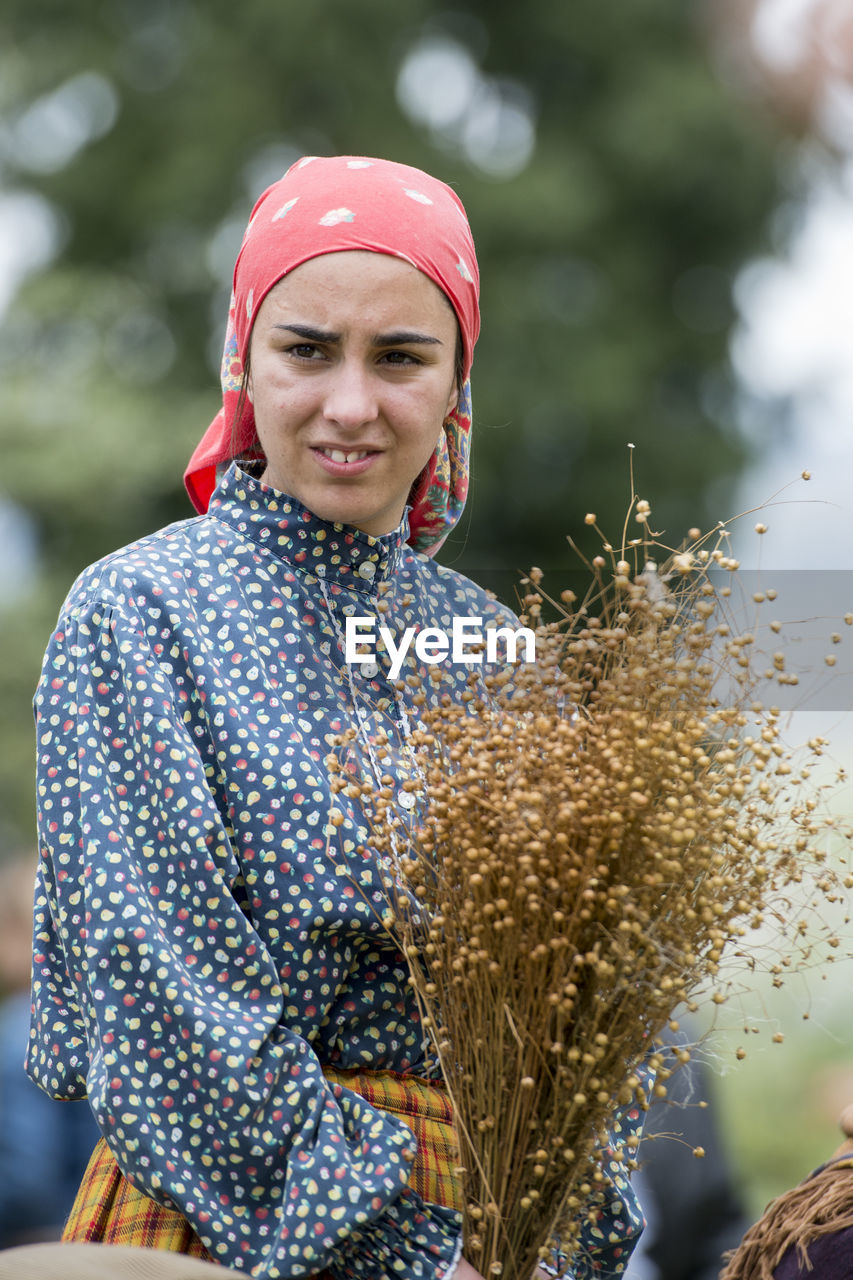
288, 530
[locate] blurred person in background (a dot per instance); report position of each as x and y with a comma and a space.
211, 968
807, 1232
44, 1146
692, 1206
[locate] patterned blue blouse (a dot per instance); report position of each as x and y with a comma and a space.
205, 940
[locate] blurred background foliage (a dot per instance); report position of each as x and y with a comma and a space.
620, 163
614, 180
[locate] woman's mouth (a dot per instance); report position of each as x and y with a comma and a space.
337, 455
344, 461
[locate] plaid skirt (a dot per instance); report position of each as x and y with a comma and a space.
110, 1210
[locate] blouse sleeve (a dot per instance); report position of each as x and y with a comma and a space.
614, 1216
154, 994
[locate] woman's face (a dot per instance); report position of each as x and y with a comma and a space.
351, 378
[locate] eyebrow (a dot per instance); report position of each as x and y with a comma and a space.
398, 338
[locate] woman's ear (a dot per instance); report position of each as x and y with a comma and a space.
453, 399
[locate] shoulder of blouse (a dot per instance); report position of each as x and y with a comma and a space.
132, 579
462, 590
107, 580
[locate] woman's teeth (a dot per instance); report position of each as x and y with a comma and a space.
337, 455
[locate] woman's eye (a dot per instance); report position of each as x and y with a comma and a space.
304, 351
400, 357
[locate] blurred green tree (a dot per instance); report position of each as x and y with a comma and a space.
613, 181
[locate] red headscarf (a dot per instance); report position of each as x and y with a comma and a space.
328, 205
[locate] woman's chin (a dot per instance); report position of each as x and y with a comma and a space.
350, 504
349, 510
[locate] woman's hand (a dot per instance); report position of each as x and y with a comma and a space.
464, 1271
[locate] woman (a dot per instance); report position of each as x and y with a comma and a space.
210, 967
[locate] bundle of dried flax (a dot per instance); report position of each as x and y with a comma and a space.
601, 831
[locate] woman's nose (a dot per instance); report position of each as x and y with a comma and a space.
350, 395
